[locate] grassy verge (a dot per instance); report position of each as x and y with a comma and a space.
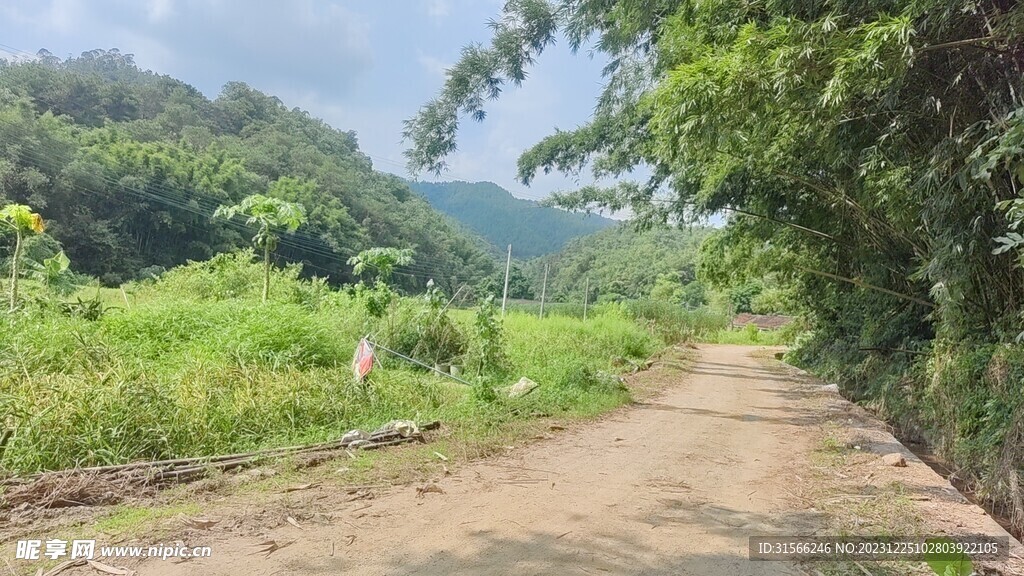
852, 509
197, 366
233, 497
962, 399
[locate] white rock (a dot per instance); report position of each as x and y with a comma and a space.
405, 428
353, 435
522, 388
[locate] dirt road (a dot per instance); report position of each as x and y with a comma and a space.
671, 486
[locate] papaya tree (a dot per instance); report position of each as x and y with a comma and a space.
382, 261
21, 220
53, 272
272, 216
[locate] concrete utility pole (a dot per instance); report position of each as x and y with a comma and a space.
543, 290
504, 295
586, 297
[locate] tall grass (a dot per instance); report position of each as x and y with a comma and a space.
196, 366
674, 323
574, 360
532, 307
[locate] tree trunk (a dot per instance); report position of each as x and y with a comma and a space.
266, 272
14, 270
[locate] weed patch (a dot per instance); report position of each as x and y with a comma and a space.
198, 366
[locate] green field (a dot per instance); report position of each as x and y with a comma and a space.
194, 364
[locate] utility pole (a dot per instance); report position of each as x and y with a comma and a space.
586, 297
504, 294
543, 290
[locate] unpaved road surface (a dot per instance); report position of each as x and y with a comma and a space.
674, 485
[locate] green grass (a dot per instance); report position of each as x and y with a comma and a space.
197, 366
747, 337
126, 519
673, 323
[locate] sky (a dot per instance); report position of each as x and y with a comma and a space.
360, 65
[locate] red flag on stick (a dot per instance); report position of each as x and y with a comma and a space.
362, 363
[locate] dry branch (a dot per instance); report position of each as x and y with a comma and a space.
98, 485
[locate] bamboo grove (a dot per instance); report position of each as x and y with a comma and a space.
870, 153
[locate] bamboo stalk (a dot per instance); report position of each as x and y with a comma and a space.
180, 469
864, 284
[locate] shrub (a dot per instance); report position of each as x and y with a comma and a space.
223, 277
673, 323
487, 348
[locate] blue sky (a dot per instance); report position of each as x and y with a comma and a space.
360, 65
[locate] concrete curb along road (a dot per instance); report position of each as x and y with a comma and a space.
942, 507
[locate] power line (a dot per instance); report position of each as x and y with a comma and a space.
15, 52
204, 207
180, 199
178, 203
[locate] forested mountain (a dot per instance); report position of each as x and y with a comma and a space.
621, 262
127, 167
502, 219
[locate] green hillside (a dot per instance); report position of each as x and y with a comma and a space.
621, 263
502, 219
128, 167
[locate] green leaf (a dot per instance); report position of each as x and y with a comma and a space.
960, 566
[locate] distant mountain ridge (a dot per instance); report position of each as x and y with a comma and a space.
502, 219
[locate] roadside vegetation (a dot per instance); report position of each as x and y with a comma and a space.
233, 354
193, 364
867, 157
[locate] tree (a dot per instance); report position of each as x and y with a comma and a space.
379, 298
694, 295
742, 296
54, 273
273, 216
381, 259
668, 288
621, 262
873, 139
131, 164
859, 149
22, 221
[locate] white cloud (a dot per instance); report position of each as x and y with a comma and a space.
439, 9
157, 10
63, 15
57, 16
434, 66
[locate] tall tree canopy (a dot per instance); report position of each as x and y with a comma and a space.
861, 149
874, 138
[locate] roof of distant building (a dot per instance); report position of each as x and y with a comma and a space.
762, 321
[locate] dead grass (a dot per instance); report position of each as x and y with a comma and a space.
855, 502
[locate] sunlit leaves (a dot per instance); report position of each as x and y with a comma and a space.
21, 218
382, 260
271, 216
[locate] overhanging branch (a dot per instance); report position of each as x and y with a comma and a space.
864, 284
